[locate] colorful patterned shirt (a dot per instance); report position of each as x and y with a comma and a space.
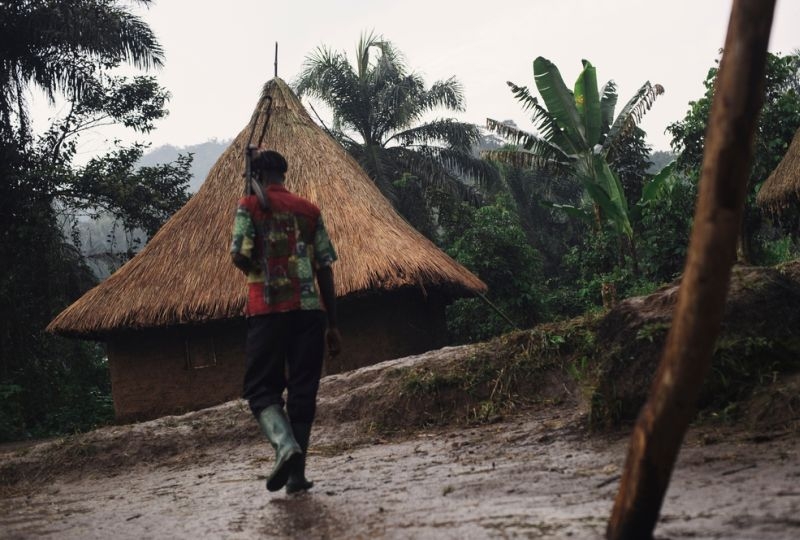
291, 240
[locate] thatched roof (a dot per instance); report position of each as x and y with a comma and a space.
782, 188
184, 274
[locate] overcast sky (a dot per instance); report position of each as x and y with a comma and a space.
218, 54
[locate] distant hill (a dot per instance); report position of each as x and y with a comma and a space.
204, 155
659, 159
104, 243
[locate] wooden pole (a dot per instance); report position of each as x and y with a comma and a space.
686, 360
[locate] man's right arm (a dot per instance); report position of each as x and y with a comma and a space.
243, 240
328, 293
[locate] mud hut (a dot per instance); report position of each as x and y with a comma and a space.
782, 188
172, 317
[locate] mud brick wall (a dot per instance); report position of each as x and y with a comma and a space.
173, 371
160, 372
392, 325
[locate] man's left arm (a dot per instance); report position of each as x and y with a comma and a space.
324, 256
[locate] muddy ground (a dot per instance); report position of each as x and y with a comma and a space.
537, 473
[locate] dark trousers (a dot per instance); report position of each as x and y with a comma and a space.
281, 344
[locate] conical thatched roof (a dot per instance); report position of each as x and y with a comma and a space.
782, 188
184, 274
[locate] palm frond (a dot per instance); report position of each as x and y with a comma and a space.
608, 102
97, 29
365, 42
632, 114
389, 62
527, 160
379, 166
324, 71
543, 121
58, 45
458, 135
429, 165
530, 142
523, 95
328, 76
394, 104
448, 94
469, 169
389, 65
510, 133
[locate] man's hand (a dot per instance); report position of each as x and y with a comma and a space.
242, 263
334, 339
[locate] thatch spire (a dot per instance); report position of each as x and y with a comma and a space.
782, 188
184, 275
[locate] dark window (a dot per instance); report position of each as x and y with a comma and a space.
200, 352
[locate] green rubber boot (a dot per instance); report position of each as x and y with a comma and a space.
288, 454
297, 476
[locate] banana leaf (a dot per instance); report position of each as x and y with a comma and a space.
605, 190
608, 103
631, 114
560, 101
587, 101
653, 188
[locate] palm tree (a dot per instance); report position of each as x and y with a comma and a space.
379, 109
56, 46
577, 135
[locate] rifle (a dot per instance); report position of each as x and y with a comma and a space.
251, 185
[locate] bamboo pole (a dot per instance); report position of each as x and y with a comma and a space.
686, 360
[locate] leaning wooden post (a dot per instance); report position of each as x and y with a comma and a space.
686, 359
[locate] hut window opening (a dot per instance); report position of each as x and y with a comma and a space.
200, 352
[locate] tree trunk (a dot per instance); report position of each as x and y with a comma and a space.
744, 249
686, 360
634, 257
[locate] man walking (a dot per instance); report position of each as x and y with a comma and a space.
280, 243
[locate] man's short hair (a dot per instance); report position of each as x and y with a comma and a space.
269, 161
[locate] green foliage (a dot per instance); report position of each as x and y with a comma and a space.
379, 109
497, 377
582, 272
777, 124
426, 381
579, 141
62, 47
576, 135
12, 418
780, 250
51, 384
744, 362
537, 196
664, 226
493, 245
651, 332
778, 121
56, 397
141, 198
662, 223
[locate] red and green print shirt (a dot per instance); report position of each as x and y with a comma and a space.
290, 240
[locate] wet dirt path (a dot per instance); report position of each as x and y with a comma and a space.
534, 477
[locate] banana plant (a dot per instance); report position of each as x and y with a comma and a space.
575, 130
